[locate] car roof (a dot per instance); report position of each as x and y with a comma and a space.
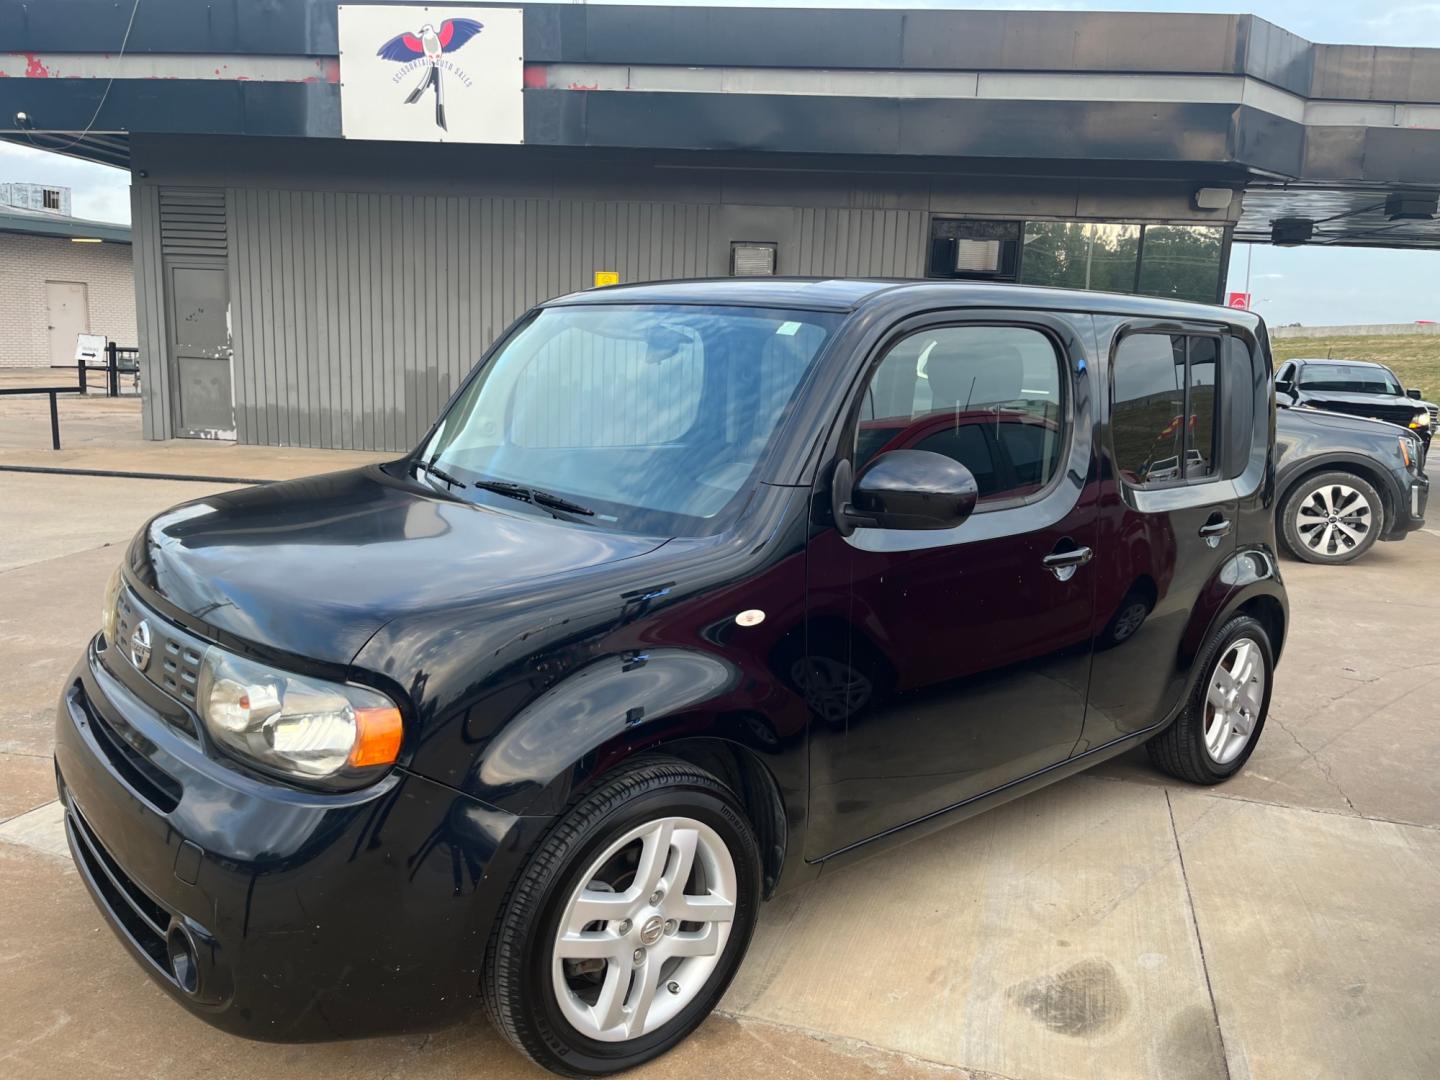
851, 294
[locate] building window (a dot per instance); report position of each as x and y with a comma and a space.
51, 199
1163, 408
749, 259
978, 250
1080, 255
1182, 262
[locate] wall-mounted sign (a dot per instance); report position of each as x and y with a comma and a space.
1239, 300
606, 277
432, 74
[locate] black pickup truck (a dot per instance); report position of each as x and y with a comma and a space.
1345, 482
1358, 388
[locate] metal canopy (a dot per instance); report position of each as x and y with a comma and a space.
1340, 217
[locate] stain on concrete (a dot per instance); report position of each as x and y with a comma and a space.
1085, 999
1192, 1047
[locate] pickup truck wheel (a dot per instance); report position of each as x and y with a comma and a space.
1215, 735
1332, 518
628, 923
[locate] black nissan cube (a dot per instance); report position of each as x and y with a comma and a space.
692, 590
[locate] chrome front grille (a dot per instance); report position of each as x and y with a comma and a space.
174, 654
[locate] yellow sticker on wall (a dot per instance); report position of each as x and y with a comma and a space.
606, 277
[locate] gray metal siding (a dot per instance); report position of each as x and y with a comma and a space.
356, 314
150, 311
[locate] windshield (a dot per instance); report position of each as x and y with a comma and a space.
646, 419
1349, 379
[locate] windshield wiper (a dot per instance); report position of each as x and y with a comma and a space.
437, 472
545, 499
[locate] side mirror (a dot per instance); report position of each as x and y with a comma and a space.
905, 489
1283, 386
1413, 392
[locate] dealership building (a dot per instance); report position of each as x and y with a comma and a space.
337, 207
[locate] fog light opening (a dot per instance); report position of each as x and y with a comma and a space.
184, 965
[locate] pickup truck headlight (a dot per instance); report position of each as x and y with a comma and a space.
296, 726
1422, 419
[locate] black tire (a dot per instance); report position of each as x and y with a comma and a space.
1301, 514
517, 980
1180, 749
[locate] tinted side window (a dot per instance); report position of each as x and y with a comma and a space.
990, 397
1200, 417
1149, 406
1164, 413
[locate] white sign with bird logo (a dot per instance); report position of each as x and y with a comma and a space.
432, 74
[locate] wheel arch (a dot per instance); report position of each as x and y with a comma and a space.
1247, 583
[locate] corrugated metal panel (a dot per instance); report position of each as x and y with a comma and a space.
859, 243
356, 315
150, 311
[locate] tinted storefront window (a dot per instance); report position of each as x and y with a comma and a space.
1182, 262
1080, 255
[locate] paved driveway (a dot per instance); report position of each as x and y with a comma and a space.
1115, 925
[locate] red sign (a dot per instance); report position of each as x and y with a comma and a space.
1239, 300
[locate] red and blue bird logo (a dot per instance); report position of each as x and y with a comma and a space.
427, 49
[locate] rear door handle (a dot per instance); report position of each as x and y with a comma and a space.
1216, 529
1063, 563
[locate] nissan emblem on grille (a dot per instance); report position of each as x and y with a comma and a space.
140, 645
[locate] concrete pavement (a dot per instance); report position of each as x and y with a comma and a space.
1116, 925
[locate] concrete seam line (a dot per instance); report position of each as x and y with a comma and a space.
56, 470
1199, 941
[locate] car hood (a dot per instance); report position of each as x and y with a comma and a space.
1312, 416
314, 567
1364, 404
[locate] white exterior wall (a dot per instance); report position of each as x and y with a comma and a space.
27, 262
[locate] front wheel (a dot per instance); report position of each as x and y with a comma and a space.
1215, 735
628, 923
1332, 518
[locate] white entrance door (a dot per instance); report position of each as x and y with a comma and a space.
67, 308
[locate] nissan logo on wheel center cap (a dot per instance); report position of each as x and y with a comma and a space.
652, 929
140, 645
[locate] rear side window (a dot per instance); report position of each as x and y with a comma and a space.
1163, 413
990, 397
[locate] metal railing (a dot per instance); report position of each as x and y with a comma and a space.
15, 391
119, 360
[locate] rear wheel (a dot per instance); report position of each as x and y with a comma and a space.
626, 927
1213, 738
1332, 518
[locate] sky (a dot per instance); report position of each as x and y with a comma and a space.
1310, 285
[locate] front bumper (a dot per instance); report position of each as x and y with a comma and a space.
305, 915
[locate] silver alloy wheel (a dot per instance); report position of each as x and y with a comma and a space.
1333, 520
643, 953
1234, 699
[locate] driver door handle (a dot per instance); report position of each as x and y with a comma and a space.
1063, 563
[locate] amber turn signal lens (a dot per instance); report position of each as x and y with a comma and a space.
378, 733
1405, 451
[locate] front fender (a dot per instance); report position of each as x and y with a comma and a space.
627, 700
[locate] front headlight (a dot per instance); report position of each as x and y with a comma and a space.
1421, 419
109, 613
300, 727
